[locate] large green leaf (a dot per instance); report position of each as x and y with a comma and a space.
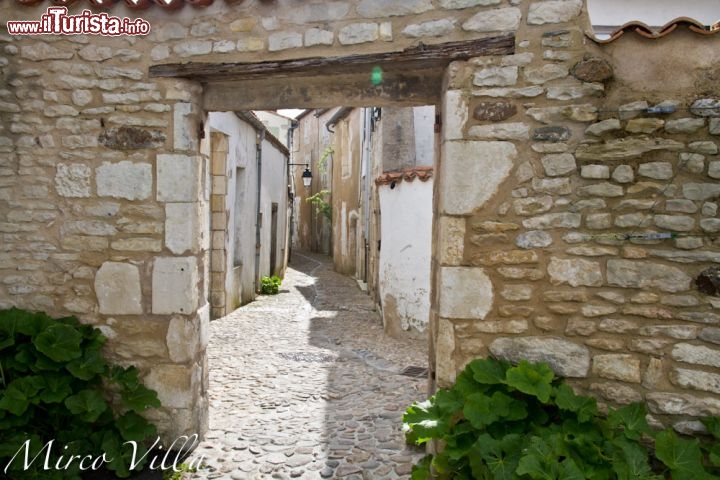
482, 410
59, 342
15, 321
488, 371
533, 379
57, 388
421, 470
631, 418
422, 422
630, 461
570, 471
683, 457
134, 427
499, 457
90, 364
539, 460
141, 398
88, 405
584, 407
20, 393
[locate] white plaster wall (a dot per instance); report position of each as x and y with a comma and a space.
651, 12
274, 189
424, 123
241, 202
404, 265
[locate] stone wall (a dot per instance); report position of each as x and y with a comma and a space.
578, 203
104, 192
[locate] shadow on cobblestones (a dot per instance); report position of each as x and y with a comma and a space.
306, 385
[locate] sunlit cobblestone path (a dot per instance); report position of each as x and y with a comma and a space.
305, 385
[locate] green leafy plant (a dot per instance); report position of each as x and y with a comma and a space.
270, 285
56, 399
321, 202
179, 472
322, 162
521, 422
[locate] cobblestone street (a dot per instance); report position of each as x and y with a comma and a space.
305, 385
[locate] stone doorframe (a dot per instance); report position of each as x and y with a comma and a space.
417, 77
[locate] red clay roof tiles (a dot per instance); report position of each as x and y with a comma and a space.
659, 32
409, 174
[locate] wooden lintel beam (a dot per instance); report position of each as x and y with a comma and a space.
418, 57
353, 90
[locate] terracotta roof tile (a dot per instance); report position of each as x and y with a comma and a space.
409, 174
659, 32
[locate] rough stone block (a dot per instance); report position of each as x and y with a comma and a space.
434, 28
183, 340
676, 223
501, 131
534, 239
181, 227
696, 354
684, 125
695, 379
494, 111
175, 285
391, 8
358, 33
566, 358
558, 164
656, 170
73, 180
496, 76
175, 384
284, 41
117, 286
672, 403
553, 11
633, 274
451, 240
444, 350
178, 178
553, 220
465, 293
553, 186
546, 73
617, 367
456, 114
473, 173
644, 125
575, 272
185, 126
597, 172
625, 148
318, 36
132, 181
605, 126
137, 244
701, 191
496, 20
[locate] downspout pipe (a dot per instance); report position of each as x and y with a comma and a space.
259, 139
339, 115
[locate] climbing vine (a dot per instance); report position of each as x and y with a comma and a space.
321, 202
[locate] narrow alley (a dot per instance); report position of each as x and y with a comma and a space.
305, 384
